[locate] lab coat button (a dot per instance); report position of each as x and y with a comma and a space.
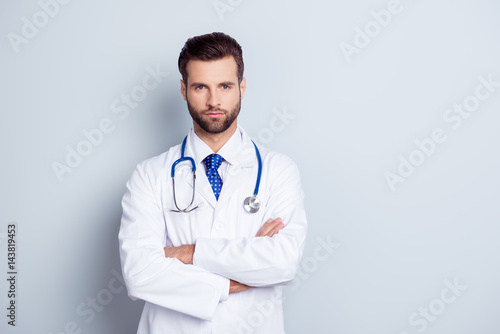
219, 226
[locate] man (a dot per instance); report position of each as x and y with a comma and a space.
211, 266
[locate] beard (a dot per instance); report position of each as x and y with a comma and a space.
214, 125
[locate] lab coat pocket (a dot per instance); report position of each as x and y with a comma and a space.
186, 227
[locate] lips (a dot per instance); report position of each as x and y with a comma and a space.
214, 114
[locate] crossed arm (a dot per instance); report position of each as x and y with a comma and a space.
184, 253
221, 266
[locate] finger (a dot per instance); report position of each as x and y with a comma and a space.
278, 226
268, 226
267, 229
264, 228
274, 228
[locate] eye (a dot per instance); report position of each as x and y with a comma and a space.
200, 87
225, 87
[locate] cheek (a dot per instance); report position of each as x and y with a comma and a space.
197, 99
232, 99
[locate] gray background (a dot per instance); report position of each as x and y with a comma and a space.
353, 117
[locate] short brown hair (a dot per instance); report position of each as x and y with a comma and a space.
214, 46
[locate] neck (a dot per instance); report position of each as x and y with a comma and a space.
215, 140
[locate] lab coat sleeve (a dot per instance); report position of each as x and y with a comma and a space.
263, 261
148, 274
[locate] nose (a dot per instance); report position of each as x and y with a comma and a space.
213, 100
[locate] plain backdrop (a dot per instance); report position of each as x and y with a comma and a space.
363, 84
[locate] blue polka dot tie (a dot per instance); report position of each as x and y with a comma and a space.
212, 163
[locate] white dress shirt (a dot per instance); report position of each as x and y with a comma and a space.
195, 298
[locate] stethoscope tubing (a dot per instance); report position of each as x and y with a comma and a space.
252, 199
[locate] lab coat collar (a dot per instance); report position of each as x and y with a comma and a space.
238, 151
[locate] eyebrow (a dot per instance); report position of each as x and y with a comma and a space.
227, 83
224, 83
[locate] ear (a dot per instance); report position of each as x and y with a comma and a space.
243, 86
183, 90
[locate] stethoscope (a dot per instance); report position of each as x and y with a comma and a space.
251, 203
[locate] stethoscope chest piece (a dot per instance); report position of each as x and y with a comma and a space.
252, 204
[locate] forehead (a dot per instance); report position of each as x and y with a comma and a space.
224, 69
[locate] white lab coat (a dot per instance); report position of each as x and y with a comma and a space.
194, 298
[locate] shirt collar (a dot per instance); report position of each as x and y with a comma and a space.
237, 151
230, 149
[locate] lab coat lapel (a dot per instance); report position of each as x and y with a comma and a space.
238, 177
240, 174
202, 186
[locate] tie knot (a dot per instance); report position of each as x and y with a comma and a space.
213, 161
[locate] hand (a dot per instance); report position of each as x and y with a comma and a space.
237, 287
183, 253
270, 227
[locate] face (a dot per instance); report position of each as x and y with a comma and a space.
213, 95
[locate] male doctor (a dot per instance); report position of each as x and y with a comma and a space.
213, 267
